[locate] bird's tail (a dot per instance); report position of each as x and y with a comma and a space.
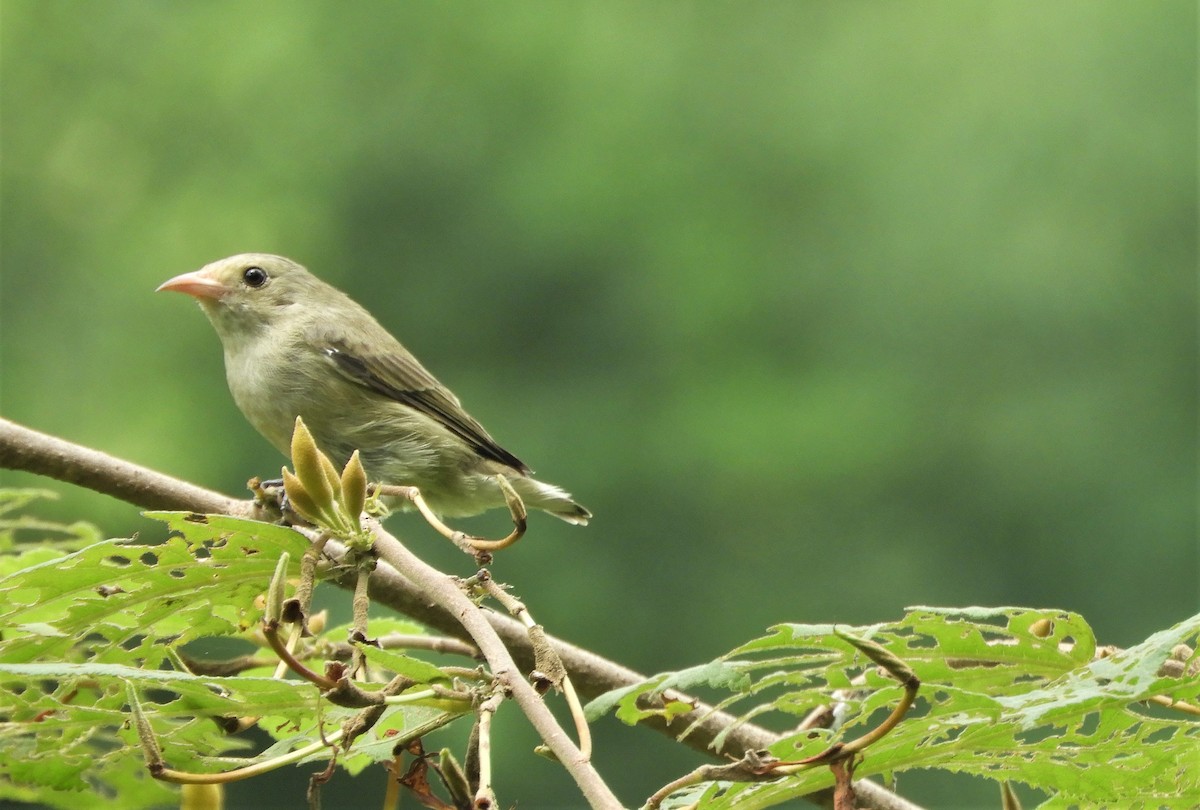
552, 499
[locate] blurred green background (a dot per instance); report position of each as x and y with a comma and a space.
823, 308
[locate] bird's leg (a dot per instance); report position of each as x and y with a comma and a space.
413, 496
468, 543
516, 508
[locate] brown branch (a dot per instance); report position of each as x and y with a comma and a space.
24, 449
29, 450
444, 591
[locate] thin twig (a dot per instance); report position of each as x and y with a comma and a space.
485, 795
444, 591
361, 607
546, 662
1177, 705
411, 641
308, 578
270, 631
391, 795
293, 640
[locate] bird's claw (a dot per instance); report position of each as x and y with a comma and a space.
476, 546
271, 493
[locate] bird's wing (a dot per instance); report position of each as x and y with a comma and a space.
397, 375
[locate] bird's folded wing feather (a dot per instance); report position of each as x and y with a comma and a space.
398, 376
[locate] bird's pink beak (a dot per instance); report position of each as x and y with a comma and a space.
198, 283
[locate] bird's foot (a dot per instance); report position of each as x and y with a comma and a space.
481, 548
271, 495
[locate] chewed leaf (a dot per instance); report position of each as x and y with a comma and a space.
92, 677
72, 723
121, 598
1006, 693
652, 697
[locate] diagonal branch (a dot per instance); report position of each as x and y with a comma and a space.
24, 449
441, 589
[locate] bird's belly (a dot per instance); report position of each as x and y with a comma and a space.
396, 444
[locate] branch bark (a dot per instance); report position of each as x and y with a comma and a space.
440, 589
22, 448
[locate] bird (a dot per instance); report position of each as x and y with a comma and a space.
296, 346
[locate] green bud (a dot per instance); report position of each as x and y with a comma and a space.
310, 467
150, 750
455, 779
299, 498
275, 592
354, 488
331, 474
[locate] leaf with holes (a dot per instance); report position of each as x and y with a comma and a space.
1006, 693
78, 627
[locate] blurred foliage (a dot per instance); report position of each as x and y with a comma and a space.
823, 308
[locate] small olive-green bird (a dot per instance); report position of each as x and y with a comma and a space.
295, 346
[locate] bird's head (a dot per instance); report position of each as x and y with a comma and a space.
248, 292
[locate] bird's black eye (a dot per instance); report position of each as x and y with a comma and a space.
254, 276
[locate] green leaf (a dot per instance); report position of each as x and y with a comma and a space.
81, 626
640, 701
118, 600
401, 664
1006, 693
67, 726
